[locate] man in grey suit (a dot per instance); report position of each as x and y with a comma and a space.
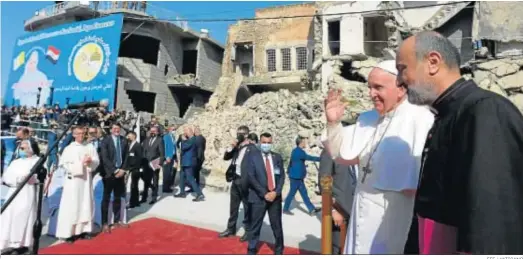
344, 184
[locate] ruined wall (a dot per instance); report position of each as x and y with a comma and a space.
502, 76
151, 78
459, 31
263, 34
272, 33
209, 65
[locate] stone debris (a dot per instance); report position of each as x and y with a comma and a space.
502, 76
283, 114
286, 115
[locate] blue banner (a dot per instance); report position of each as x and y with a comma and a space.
69, 63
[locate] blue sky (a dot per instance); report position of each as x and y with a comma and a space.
13, 15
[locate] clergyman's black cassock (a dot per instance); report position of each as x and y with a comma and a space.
472, 172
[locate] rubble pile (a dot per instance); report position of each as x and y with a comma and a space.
286, 115
283, 114
502, 76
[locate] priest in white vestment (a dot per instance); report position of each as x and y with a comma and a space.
386, 143
76, 214
16, 231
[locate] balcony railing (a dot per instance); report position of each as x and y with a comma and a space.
137, 7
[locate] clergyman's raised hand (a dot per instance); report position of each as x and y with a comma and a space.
334, 107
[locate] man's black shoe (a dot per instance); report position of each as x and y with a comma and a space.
243, 238
153, 201
180, 195
226, 233
199, 198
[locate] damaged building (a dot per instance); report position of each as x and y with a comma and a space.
164, 68
352, 36
488, 36
266, 54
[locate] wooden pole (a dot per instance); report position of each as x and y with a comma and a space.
326, 215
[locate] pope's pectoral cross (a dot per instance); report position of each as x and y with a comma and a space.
366, 171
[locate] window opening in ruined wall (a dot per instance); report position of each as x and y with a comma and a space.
271, 60
140, 47
375, 35
333, 30
246, 69
190, 58
286, 64
301, 58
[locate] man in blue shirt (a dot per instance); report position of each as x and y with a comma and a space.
297, 173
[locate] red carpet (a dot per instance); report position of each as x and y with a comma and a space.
157, 236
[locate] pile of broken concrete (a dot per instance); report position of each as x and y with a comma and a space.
286, 115
283, 114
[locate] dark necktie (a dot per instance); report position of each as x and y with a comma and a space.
118, 153
268, 169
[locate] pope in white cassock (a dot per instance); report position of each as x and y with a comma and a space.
76, 216
17, 220
386, 143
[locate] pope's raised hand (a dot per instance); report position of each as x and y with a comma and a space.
334, 107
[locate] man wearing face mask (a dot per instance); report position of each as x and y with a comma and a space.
266, 179
297, 173
237, 174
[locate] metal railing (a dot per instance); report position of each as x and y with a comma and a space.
138, 7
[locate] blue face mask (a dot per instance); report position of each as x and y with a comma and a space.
22, 154
265, 147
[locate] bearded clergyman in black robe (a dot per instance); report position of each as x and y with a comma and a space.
470, 193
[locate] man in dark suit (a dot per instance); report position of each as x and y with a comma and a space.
239, 191
133, 165
343, 186
266, 178
153, 148
188, 161
113, 153
201, 143
170, 158
297, 173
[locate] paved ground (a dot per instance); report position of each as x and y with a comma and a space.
300, 230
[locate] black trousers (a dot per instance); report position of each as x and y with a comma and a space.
196, 171
136, 175
238, 195
258, 210
412, 245
151, 180
117, 187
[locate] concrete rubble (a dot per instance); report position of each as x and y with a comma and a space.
285, 114
502, 76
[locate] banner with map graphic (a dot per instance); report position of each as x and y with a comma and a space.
66, 64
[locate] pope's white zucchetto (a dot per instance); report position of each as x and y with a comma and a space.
388, 66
